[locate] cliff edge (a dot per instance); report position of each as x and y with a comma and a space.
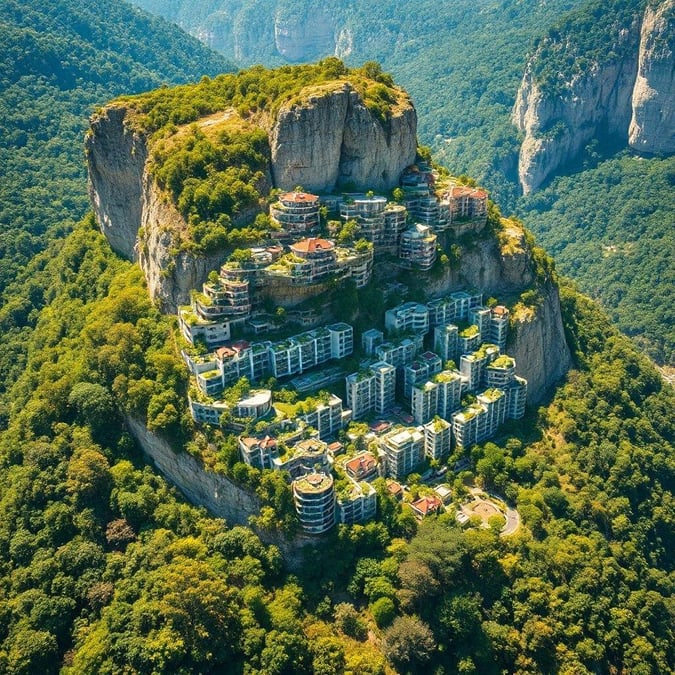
326, 136
574, 90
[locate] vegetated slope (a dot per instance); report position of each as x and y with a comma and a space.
104, 569
58, 62
460, 61
612, 227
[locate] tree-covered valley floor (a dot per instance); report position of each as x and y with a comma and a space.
106, 568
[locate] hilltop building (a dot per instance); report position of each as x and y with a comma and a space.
296, 212
314, 497
417, 247
371, 390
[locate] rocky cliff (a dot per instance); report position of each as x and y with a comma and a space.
215, 492
326, 137
502, 267
561, 107
332, 139
652, 127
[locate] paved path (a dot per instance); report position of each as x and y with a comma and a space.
512, 522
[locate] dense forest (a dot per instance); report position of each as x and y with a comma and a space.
56, 66
610, 226
104, 568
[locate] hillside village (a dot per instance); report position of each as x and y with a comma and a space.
435, 380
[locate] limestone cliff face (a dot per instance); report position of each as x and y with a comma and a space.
332, 139
557, 126
127, 201
608, 97
215, 492
652, 127
538, 345
299, 39
116, 157
504, 269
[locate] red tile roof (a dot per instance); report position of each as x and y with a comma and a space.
361, 464
312, 244
427, 505
298, 198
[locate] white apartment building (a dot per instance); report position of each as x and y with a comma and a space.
417, 247
371, 390
410, 317
437, 439
403, 449
446, 341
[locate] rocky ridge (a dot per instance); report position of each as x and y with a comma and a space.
652, 127
325, 139
614, 97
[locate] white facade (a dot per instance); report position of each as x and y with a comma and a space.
403, 450
437, 439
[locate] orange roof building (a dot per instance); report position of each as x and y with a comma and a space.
296, 212
426, 505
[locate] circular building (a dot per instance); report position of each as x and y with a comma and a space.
314, 497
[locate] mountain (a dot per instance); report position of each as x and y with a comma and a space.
576, 88
460, 61
105, 568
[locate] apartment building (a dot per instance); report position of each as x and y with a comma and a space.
437, 439
296, 212
319, 260
402, 352
371, 390
314, 498
446, 341
403, 449
410, 317
417, 247
359, 505
499, 326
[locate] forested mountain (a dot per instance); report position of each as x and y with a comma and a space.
56, 64
460, 61
612, 228
105, 569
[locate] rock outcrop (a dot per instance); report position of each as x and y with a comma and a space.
538, 345
606, 97
324, 139
504, 269
332, 139
652, 127
116, 158
215, 492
